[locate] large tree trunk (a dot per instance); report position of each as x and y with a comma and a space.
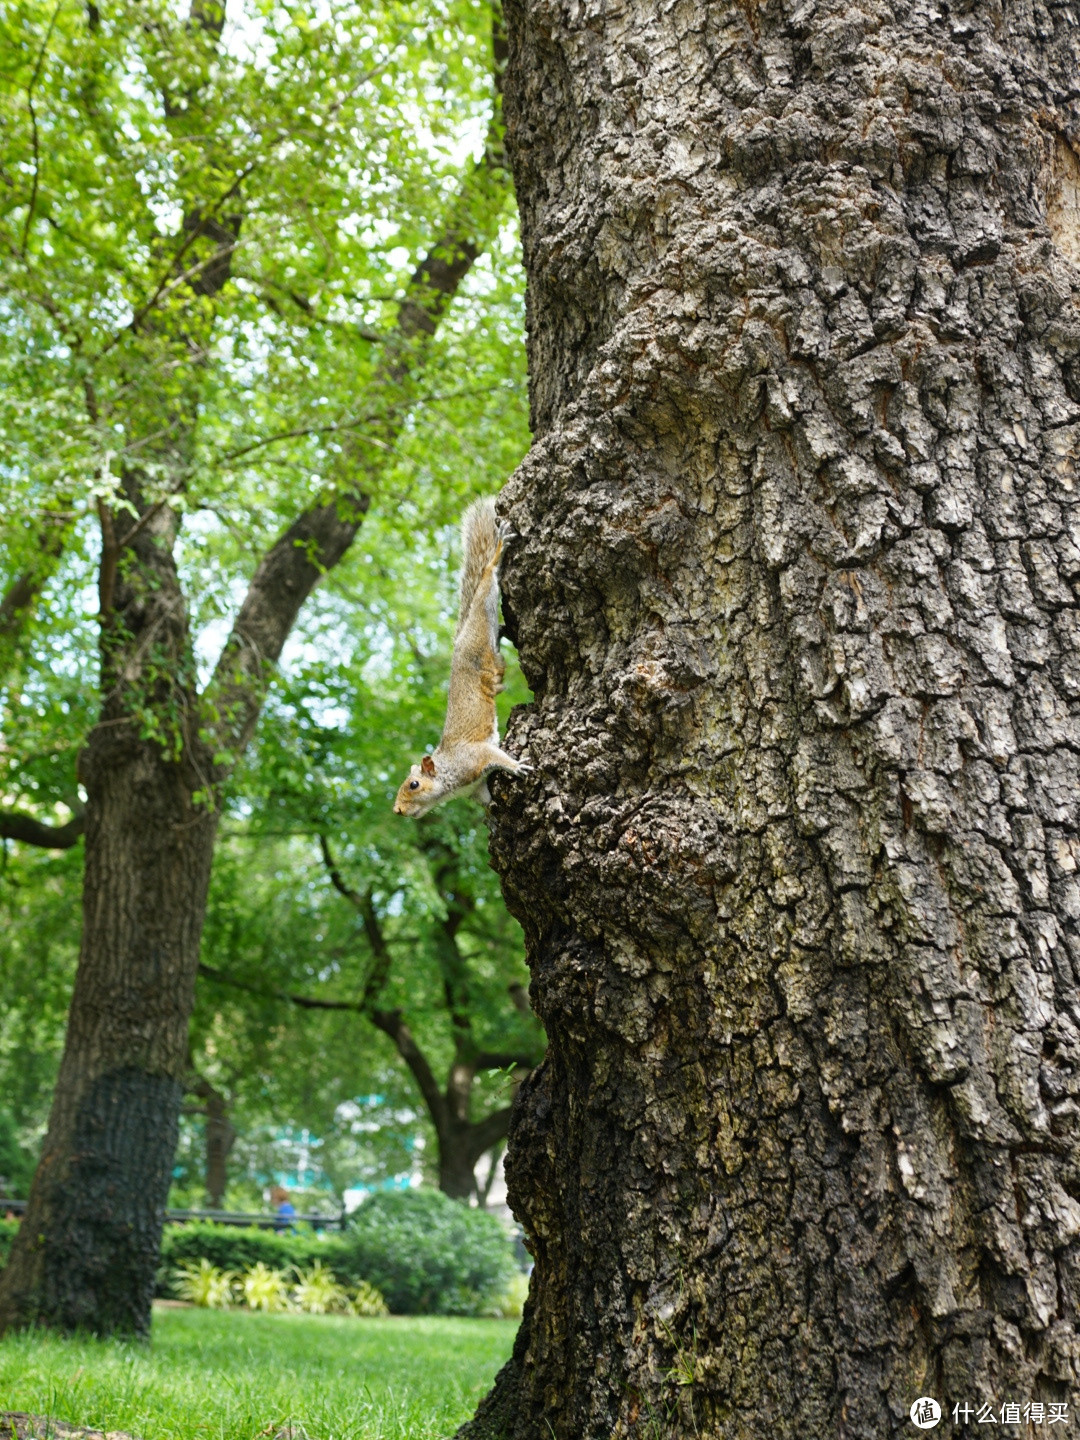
795, 589
87, 1252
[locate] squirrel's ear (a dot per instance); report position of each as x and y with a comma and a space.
427, 765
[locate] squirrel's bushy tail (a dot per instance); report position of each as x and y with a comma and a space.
479, 543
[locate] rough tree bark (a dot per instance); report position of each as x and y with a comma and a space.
796, 591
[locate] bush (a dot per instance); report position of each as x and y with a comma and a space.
265, 1289
368, 1301
428, 1254
238, 1248
204, 1284
8, 1231
317, 1292
512, 1302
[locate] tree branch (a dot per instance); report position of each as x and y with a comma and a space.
388, 1021
32, 205
305, 1002
284, 579
391, 1024
27, 831
365, 906
317, 539
489, 1131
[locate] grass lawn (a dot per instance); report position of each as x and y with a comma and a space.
237, 1376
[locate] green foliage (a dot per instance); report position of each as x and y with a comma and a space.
236, 1375
317, 1292
429, 1254
368, 1302
16, 1163
39, 945
512, 1303
8, 1231
236, 1249
335, 143
264, 1288
204, 1284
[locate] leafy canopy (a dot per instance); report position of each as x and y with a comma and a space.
208, 221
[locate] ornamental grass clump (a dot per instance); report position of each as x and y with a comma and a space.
367, 1301
265, 1289
204, 1284
317, 1292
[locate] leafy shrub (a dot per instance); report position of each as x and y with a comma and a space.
317, 1292
236, 1248
428, 1254
265, 1289
8, 1231
512, 1301
204, 1284
16, 1164
368, 1301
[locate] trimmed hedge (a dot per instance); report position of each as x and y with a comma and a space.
430, 1255
234, 1247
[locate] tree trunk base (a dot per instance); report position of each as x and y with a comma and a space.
497, 1415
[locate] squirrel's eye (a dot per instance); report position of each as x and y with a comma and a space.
414, 784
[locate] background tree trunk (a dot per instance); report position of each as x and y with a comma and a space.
87, 1252
220, 1136
795, 590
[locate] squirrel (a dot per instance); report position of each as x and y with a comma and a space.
469, 747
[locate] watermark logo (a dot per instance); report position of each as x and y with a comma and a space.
925, 1413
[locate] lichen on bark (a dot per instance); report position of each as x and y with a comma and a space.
796, 591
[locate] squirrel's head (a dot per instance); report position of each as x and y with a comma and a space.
420, 791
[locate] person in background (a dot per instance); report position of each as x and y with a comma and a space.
279, 1198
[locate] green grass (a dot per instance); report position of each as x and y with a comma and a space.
237, 1376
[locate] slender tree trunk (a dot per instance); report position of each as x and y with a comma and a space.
220, 1137
795, 590
460, 1140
